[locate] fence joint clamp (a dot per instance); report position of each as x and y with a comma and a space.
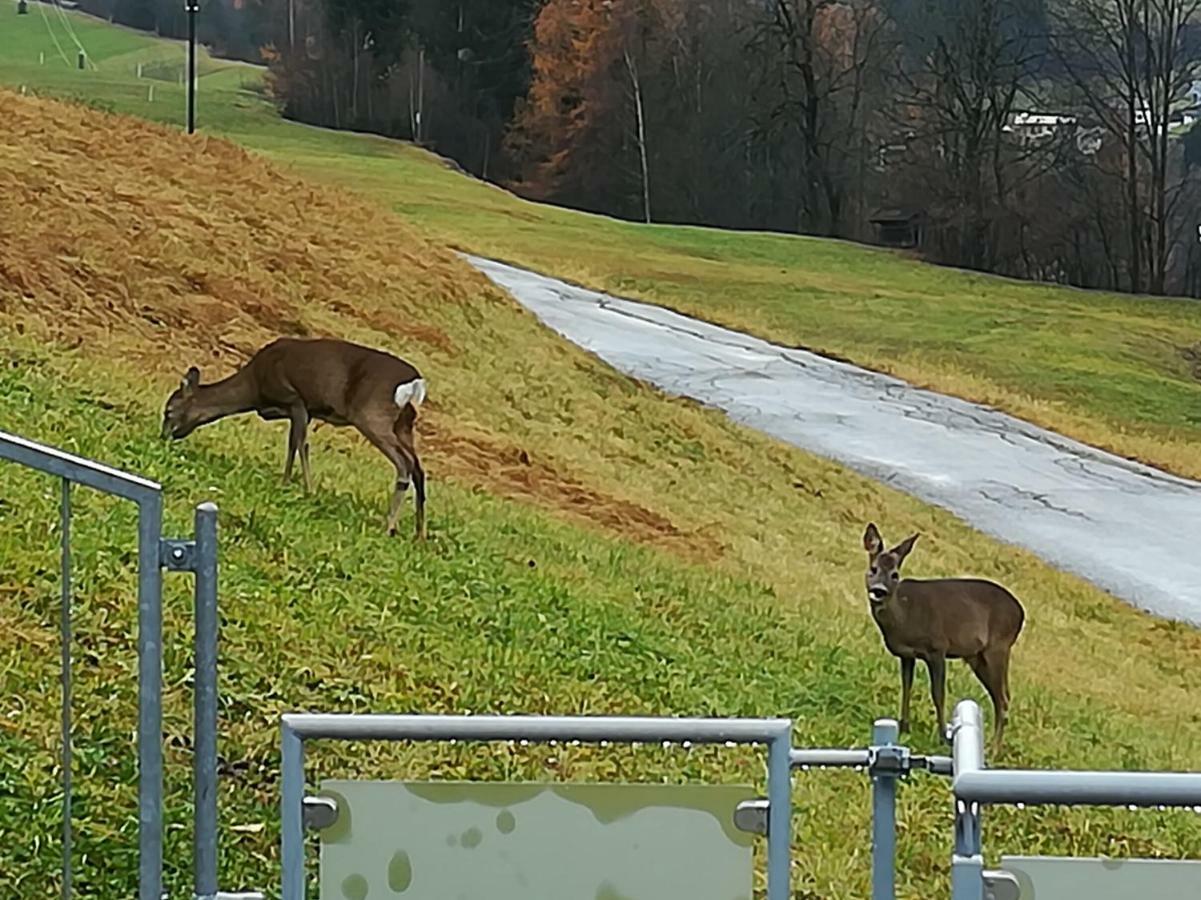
889, 760
177, 555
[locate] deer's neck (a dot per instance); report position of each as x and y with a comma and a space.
895, 613
232, 395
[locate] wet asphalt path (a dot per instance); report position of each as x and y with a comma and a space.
1127, 528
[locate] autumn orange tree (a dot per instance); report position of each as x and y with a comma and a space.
583, 128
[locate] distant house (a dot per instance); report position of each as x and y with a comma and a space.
900, 226
1089, 141
1031, 128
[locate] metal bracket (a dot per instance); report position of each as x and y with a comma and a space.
1001, 885
176, 555
320, 812
751, 816
935, 765
888, 760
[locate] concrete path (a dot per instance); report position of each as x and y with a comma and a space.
1130, 529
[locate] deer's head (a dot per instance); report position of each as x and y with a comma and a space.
883, 566
181, 416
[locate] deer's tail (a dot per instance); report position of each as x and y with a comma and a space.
411, 392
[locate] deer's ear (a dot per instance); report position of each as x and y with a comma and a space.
191, 380
903, 549
872, 542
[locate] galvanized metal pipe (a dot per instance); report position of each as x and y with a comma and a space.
150, 700
974, 783
81, 471
967, 738
885, 733
779, 815
64, 526
776, 733
292, 813
587, 729
147, 494
204, 838
967, 860
996, 786
829, 759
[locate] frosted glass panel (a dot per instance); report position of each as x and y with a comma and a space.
1048, 878
500, 841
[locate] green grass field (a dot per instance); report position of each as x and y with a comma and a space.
596, 548
1114, 371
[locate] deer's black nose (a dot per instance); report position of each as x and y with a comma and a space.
877, 592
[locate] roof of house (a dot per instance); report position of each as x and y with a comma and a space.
906, 214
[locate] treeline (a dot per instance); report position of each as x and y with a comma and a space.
445, 73
1044, 139
236, 29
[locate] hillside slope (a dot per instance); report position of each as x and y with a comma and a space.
595, 547
1117, 372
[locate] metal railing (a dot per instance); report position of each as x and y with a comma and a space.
886, 762
975, 786
154, 554
295, 729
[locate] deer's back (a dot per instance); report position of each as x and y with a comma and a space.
332, 378
956, 616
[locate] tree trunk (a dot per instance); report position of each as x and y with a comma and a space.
636, 85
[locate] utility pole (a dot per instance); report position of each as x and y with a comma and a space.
192, 7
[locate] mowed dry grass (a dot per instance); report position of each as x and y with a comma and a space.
181, 254
128, 251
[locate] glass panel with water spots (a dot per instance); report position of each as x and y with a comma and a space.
501, 841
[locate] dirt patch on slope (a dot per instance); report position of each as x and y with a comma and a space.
133, 242
512, 471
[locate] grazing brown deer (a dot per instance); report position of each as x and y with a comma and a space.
325, 379
941, 619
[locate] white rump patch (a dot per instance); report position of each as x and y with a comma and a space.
410, 392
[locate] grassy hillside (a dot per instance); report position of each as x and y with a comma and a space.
595, 547
1114, 371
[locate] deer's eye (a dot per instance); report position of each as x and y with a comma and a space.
874, 570
895, 576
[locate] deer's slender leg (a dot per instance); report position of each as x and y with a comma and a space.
998, 675
992, 683
385, 440
398, 499
419, 488
403, 431
296, 441
936, 664
291, 457
908, 664
305, 471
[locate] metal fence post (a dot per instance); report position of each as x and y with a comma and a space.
292, 813
885, 733
779, 816
205, 703
150, 699
148, 496
65, 638
967, 862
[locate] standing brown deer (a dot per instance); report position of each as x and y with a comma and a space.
940, 619
325, 379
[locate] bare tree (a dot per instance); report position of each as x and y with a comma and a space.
962, 79
640, 132
818, 58
1128, 63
